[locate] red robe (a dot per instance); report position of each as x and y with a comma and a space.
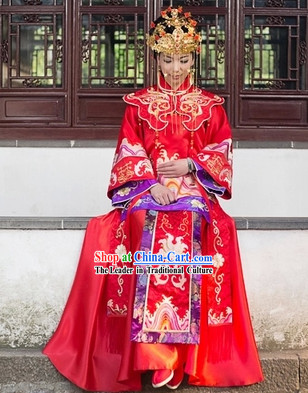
116, 326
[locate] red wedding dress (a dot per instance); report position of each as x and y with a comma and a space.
116, 326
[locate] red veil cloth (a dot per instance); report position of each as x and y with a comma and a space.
116, 326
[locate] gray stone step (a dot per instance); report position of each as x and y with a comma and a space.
28, 371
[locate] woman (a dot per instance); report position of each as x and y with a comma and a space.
172, 161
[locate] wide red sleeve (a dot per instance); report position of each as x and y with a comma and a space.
132, 172
214, 162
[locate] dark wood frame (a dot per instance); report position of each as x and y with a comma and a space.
75, 108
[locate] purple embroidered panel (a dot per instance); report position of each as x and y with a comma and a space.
131, 189
195, 204
196, 281
207, 182
193, 335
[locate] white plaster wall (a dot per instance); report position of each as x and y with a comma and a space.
37, 269
269, 183
276, 270
73, 182
54, 181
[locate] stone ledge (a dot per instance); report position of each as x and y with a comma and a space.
103, 143
272, 223
73, 223
28, 371
43, 223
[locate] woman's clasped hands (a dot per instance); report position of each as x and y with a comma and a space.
162, 194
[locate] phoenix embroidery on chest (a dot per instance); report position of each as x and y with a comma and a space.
155, 106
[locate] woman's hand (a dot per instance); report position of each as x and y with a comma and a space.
173, 168
162, 194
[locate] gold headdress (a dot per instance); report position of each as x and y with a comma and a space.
174, 33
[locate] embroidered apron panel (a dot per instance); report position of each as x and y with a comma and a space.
167, 305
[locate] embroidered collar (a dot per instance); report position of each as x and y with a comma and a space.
192, 104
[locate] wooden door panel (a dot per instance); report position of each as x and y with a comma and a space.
273, 111
32, 109
105, 111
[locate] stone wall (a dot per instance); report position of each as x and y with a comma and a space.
37, 269
37, 266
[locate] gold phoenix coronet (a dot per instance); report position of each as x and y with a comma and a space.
180, 41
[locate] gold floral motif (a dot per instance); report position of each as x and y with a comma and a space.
199, 205
123, 191
121, 249
218, 260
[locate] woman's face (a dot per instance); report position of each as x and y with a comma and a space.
175, 68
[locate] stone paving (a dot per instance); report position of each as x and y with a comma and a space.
28, 371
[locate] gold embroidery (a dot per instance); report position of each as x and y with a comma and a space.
158, 322
192, 103
226, 176
184, 224
154, 106
221, 318
116, 309
125, 172
120, 282
121, 233
120, 250
218, 239
218, 261
165, 223
158, 102
215, 164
